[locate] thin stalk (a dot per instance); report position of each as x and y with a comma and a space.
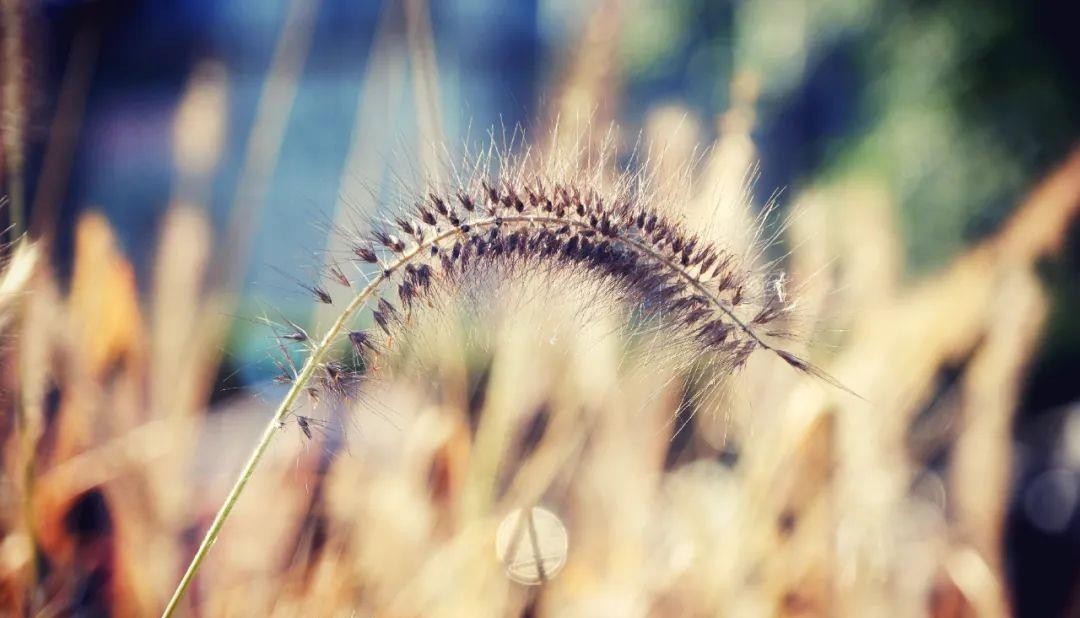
326, 343
275, 422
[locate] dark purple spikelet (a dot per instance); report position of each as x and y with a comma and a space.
737, 297
338, 381
339, 276
389, 241
305, 426
407, 293
426, 216
440, 204
361, 342
466, 201
366, 254
707, 260
388, 309
447, 263
405, 225
490, 192
381, 237
383, 322
298, 336
322, 295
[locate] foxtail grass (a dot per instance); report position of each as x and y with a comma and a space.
699, 290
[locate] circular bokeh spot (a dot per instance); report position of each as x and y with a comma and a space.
532, 545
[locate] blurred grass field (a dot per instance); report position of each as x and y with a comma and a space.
934, 266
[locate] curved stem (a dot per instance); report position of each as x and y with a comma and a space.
312, 362
320, 350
